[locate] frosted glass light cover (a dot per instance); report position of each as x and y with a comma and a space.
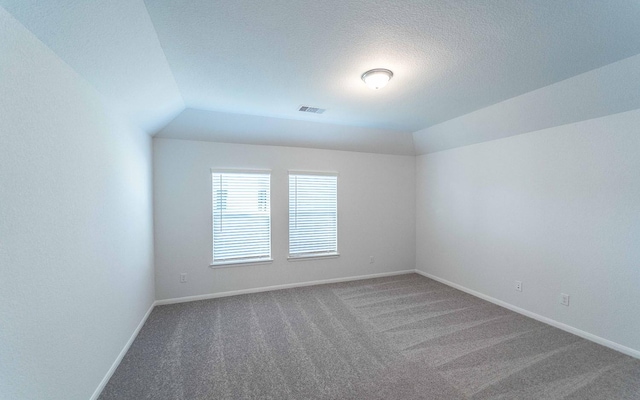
377, 78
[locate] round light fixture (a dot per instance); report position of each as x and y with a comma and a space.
377, 78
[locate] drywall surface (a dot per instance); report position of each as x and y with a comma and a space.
376, 215
558, 209
448, 57
76, 247
251, 129
611, 89
114, 46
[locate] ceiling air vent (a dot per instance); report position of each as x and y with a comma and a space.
313, 110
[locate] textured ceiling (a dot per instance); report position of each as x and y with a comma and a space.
449, 57
155, 58
250, 129
113, 45
612, 89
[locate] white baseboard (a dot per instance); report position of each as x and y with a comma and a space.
585, 335
115, 364
278, 287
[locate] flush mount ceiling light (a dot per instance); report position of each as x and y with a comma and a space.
377, 78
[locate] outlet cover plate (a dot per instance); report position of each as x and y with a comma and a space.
519, 286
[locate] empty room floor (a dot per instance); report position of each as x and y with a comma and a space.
401, 337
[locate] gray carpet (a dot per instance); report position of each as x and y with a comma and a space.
402, 337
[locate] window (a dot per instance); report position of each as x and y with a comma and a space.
313, 215
241, 217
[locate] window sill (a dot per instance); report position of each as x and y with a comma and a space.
315, 257
240, 263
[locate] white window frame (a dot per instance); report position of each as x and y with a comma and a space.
312, 256
245, 261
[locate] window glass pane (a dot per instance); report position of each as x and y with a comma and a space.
313, 214
241, 216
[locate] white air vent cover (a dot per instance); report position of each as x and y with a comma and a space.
313, 110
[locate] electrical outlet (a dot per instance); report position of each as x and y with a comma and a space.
371, 260
183, 278
519, 286
564, 299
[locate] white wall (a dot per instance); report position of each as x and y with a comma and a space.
558, 209
76, 248
376, 213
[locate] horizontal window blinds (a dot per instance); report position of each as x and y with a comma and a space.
241, 216
313, 215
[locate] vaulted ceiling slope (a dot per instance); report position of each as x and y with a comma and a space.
251, 129
113, 45
611, 89
222, 60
